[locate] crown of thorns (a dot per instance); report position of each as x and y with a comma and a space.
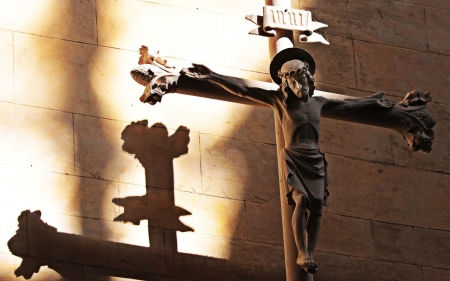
292, 72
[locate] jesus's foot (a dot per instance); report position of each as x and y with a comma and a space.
308, 264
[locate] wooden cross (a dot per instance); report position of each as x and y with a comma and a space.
408, 117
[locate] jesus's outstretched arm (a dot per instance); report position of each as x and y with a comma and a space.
231, 84
348, 105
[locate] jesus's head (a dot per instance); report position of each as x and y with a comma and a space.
296, 79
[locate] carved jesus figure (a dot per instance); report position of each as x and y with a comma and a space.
298, 111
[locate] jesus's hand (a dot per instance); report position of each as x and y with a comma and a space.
382, 102
198, 71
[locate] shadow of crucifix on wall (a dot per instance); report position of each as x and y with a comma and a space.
155, 150
80, 258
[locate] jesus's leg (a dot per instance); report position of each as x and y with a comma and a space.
312, 230
299, 228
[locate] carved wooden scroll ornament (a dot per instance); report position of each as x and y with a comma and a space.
274, 18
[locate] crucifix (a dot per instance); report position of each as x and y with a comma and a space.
298, 109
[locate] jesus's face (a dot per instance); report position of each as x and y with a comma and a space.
298, 85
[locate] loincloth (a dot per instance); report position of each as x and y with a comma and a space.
306, 171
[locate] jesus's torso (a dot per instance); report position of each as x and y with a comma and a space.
301, 123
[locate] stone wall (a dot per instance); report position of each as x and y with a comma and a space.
192, 192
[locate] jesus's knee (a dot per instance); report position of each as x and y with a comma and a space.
299, 198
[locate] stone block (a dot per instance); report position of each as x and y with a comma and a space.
202, 245
264, 223
72, 20
56, 193
342, 90
142, 154
438, 30
334, 14
335, 64
241, 50
411, 245
187, 167
244, 74
99, 153
344, 268
241, 170
215, 117
364, 142
387, 193
397, 71
76, 77
214, 215
439, 157
89, 198
388, 22
440, 4
345, 235
214, 258
36, 137
15, 268
7, 67
431, 274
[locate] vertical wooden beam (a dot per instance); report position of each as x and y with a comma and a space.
284, 40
